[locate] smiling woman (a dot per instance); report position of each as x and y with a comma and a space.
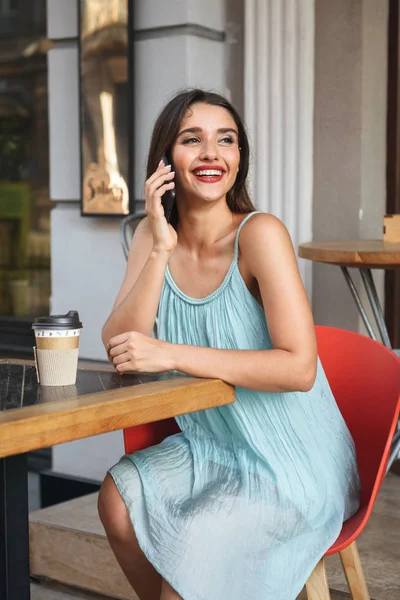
221, 509
206, 154
175, 125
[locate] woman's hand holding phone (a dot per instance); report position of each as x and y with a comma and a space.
164, 235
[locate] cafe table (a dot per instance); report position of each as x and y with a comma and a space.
363, 255
34, 416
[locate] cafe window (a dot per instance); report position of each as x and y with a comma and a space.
24, 171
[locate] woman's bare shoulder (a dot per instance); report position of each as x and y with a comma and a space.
264, 239
260, 228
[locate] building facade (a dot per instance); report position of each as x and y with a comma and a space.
309, 78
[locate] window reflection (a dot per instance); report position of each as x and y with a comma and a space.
104, 105
24, 165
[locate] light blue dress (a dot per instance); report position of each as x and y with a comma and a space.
244, 502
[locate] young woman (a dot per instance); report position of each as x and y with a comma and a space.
243, 502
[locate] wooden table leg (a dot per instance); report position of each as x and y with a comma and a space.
14, 528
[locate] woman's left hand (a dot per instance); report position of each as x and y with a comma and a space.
133, 351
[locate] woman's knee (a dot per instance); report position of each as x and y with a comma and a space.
112, 510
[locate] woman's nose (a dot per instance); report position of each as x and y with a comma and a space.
209, 150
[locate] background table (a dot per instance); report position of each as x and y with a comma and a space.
33, 417
363, 255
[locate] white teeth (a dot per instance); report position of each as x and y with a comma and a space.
209, 172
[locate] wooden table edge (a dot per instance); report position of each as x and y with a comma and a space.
23, 430
349, 258
82, 366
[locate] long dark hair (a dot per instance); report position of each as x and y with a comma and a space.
166, 129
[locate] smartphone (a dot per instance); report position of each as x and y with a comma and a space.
168, 198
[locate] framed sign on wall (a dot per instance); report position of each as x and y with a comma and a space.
106, 106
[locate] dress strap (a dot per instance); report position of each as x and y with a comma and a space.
247, 217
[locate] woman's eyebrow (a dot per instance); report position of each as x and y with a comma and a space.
190, 130
199, 130
227, 130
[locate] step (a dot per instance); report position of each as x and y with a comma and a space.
68, 545
54, 591
51, 590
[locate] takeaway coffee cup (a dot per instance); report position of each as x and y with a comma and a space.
57, 348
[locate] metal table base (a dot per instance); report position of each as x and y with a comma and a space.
14, 528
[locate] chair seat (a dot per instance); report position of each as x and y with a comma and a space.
350, 530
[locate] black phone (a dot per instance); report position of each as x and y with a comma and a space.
168, 198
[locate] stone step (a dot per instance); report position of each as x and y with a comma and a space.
54, 591
51, 590
68, 545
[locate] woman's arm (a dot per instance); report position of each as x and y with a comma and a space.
267, 251
137, 302
262, 370
135, 307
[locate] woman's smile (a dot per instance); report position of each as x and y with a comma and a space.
205, 174
206, 153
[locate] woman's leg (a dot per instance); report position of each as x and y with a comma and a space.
167, 593
120, 533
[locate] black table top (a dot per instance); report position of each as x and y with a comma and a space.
19, 387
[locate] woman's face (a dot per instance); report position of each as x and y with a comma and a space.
206, 153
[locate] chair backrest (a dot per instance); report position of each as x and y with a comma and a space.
127, 229
364, 377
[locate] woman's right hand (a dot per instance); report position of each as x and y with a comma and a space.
164, 235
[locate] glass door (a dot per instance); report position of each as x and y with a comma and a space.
24, 174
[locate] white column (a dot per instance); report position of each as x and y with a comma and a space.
279, 98
351, 41
178, 44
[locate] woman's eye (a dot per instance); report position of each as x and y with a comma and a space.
191, 140
227, 140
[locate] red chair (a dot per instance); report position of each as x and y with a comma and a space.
149, 434
365, 379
